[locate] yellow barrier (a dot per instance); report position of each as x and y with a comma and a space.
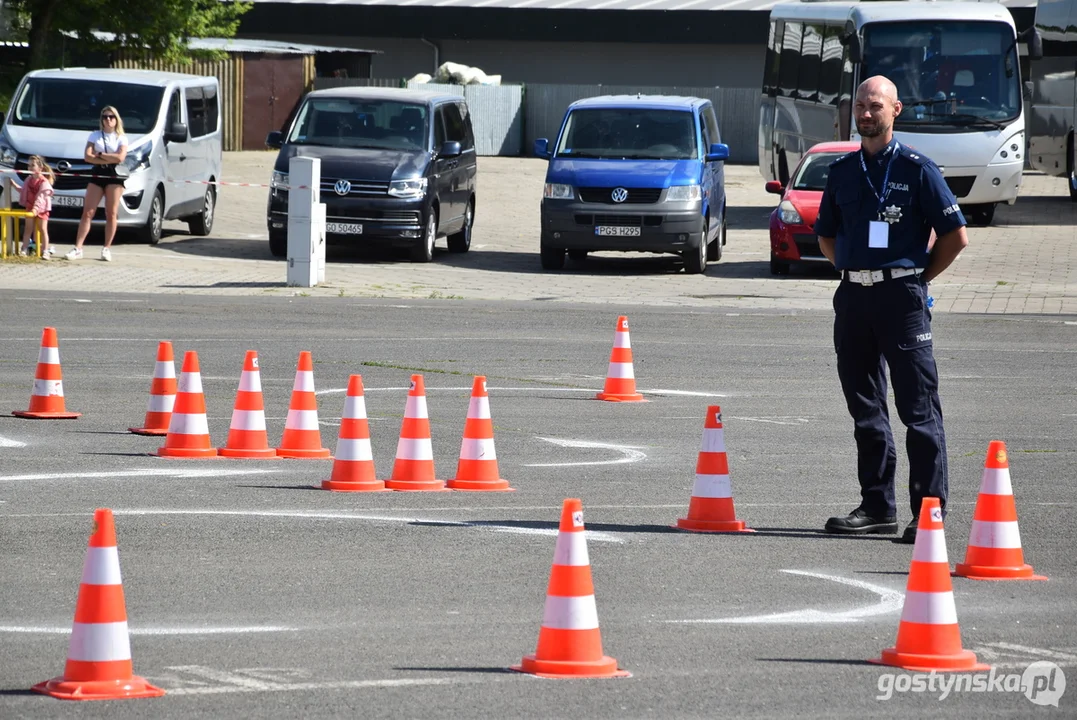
6, 213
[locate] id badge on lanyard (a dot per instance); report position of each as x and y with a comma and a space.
879, 230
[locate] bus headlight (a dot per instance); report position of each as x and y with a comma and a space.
1010, 151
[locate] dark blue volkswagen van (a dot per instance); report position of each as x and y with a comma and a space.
638, 173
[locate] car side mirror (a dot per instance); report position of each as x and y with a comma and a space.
851, 41
449, 149
718, 151
774, 187
1035, 43
275, 139
177, 132
542, 148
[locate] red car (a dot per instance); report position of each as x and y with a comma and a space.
792, 239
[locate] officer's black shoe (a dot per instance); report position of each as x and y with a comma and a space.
859, 522
909, 536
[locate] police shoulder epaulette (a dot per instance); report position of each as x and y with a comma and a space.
845, 157
911, 154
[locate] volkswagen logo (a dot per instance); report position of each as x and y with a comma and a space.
343, 187
619, 195
63, 166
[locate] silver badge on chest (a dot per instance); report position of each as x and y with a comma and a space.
891, 214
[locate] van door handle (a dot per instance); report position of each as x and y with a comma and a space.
183, 157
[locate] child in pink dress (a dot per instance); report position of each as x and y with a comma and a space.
36, 196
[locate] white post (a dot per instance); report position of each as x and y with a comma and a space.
306, 223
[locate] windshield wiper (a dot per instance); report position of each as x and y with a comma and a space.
967, 118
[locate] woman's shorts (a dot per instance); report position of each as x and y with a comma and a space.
103, 182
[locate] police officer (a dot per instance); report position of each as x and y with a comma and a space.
879, 208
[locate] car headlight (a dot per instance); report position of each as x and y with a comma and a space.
8, 156
414, 188
139, 159
557, 191
683, 193
278, 181
789, 214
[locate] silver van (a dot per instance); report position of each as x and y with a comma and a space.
173, 127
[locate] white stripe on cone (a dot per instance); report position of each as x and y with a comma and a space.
161, 403
477, 449
414, 449
354, 407
49, 355
570, 613
996, 481
995, 534
102, 566
189, 383
415, 407
930, 546
250, 381
48, 388
354, 449
571, 549
304, 381
621, 370
713, 440
621, 340
302, 420
187, 424
712, 486
99, 642
929, 608
164, 369
248, 420
479, 408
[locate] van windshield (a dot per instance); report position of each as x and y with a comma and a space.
76, 104
630, 134
356, 123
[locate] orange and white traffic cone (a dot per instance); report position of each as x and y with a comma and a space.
621, 377
188, 428
162, 393
929, 637
570, 642
711, 506
477, 468
247, 437
353, 464
302, 435
99, 663
994, 550
413, 468
47, 395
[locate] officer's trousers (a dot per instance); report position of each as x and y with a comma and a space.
889, 322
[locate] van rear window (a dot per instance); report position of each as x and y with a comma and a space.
628, 133
76, 104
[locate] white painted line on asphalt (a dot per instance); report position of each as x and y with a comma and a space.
5, 443
31, 629
630, 453
338, 685
490, 388
148, 472
776, 420
686, 393
889, 601
1036, 652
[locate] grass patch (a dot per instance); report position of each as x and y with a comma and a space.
1038, 451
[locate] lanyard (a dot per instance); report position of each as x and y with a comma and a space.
886, 178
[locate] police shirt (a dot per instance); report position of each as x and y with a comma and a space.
914, 199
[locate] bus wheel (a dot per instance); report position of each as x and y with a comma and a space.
980, 215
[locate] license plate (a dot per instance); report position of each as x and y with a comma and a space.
66, 201
617, 231
344, 228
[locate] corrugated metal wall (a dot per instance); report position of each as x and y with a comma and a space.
228, 72
321, 83
496, 114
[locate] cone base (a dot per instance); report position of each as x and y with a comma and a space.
715, 526
254, 454
964, 661
314, 454
499, 485
149, 431
620, 397
187, 452
417, 485
987, 572
133, 687
31, 415
361, 486
604, 667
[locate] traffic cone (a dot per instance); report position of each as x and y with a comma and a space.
353, 464
99, 653
994, 550
569, 642
162, 393
711, 506
928, 636
188, 428
413, 468
477, 468
47, 395
621, 378
247, 437
302, 435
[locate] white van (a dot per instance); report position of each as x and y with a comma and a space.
173, 127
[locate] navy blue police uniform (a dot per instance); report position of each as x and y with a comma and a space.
880, 210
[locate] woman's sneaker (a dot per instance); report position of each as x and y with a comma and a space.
75, 254
106, 254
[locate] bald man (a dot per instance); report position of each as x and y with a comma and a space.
877, 214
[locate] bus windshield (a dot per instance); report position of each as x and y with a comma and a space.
948, 73
629, 133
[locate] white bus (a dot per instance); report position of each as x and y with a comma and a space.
1052, 112
958, 76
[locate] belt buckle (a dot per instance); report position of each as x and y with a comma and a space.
866, 279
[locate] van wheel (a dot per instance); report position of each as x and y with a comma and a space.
423, 251
278, 243
579, 255
151, 232
202, 223
714, 249
461, 242
695, 259
552, 258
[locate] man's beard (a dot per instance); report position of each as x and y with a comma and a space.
872, 130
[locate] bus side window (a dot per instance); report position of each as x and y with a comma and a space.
787, 76
845, 95
830, 66
808, 78
774, 50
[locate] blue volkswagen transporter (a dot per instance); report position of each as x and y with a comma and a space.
639, 173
